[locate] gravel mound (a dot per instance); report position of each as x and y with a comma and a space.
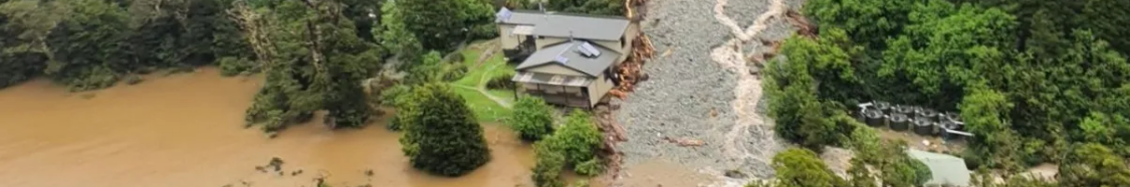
689, 96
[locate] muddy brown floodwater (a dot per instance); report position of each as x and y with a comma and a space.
187, 130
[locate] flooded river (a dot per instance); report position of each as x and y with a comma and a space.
187, 130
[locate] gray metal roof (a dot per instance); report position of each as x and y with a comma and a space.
567, 54
946, 169
551, 79
566, 25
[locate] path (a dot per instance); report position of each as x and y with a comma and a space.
481, 87
748, 90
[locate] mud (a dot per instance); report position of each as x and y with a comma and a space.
187, 130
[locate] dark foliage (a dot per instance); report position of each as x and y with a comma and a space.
442, 136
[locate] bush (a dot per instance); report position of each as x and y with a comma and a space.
592, 167
575, 143
802, 168
232, 66
547, 171
484, 31
395, 95
502, 82
532, 118
454, 71
441, 135
578, 138
399, 97
133, 79
91, 78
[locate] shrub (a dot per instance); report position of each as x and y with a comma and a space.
592, 167
578, 138
484, 31
399, 97
395, 95
532, 118
547, 171
575, 143
441, 135
232, 66
454, 71
802, 168
133, 79
502, 82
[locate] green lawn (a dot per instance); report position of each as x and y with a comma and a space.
477, 76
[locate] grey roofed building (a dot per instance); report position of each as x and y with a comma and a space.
566, 25
946, 169
567, 54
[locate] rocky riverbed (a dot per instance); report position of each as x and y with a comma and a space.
701, 89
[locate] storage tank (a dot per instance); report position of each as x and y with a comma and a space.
898, 121
875, 118
947, 124
909, 110
923, 126
882, 106
927, 113
952, 116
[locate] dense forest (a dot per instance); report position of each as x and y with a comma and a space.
1036, 81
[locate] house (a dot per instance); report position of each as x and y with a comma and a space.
567, 59
947, 170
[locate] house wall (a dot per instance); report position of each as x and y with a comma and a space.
508, 40
554, 68
598, 88
553, 94
629, 34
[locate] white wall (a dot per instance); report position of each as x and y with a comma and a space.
508, 40
598, 88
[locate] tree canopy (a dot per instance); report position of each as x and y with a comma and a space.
442, 136
1030, 77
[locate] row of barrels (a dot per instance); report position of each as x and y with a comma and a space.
923, 121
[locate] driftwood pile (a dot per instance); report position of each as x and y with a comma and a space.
629, 70
629, 74
612, 133
804, 28
801, 23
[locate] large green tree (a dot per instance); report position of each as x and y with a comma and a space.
443, 137
420, 17
314, 61
796, 84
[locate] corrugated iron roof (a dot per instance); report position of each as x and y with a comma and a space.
946, 169
566, 55
563, 25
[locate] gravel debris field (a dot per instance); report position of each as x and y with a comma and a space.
700, 88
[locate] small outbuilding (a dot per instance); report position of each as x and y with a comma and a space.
947, 170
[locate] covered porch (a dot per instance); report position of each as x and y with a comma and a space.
562, 90
526, 43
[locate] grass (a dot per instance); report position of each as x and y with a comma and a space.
477, 76
484, 108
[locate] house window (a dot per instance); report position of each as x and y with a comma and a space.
541, 37
623, 42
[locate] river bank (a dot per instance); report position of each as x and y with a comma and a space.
187, 130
